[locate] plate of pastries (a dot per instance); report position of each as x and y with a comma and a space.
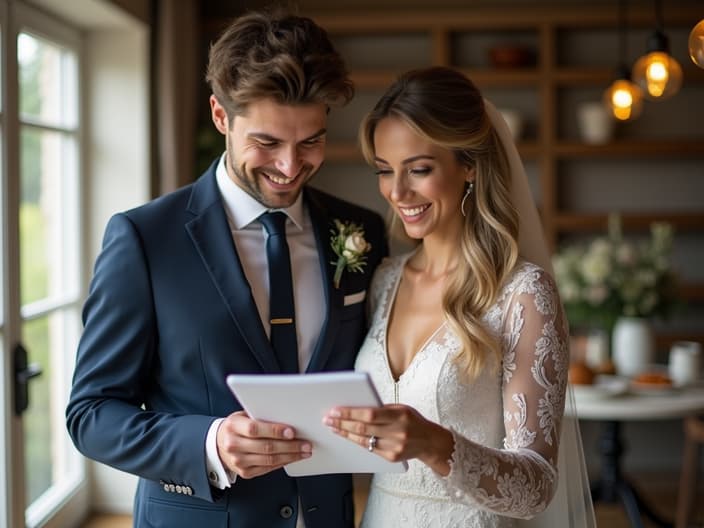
654, 380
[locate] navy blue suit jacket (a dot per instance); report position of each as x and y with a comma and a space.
168, 316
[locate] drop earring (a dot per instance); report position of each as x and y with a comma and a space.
470, 188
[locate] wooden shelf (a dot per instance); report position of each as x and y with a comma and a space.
598, 222
600, 76
631, 148
665, 341
381, 79
584, 76
509, 77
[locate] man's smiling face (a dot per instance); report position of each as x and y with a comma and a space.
273, 150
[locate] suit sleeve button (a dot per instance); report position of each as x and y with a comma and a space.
286, 512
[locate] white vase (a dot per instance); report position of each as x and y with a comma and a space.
596, 124
632, 345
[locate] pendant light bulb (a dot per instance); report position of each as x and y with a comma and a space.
623, 97
696, 44
657, 72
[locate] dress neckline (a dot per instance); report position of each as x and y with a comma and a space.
387, 320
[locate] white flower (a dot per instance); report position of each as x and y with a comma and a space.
600, 247
569, 291
626, 255
596, 266
350, 246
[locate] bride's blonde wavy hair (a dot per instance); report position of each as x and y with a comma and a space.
445, 107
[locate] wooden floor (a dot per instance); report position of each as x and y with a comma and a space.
658, 490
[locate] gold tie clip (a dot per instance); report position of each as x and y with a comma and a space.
282, 320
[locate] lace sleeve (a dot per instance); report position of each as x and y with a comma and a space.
520, 479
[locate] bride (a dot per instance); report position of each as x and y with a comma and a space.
468, 344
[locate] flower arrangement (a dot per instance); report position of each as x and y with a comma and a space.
612, 277
350, 246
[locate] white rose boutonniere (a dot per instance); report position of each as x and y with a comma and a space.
350, 246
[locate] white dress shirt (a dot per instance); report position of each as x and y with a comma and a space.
249, 237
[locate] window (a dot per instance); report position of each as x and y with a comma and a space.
49, 254
49, 249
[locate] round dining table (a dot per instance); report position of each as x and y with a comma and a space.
613, 407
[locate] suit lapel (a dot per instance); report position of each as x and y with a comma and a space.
211, 236
334, 297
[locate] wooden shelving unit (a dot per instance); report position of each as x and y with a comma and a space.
547, 77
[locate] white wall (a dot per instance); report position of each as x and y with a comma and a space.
117, 172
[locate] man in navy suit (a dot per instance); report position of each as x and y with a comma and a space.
180, 298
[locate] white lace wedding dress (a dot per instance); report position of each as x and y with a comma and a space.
505, 424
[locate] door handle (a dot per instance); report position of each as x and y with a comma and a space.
24, 372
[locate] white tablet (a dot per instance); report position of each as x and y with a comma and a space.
302, 401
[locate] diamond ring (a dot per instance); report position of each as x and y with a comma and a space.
371, 444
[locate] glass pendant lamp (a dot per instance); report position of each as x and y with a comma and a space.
623, 97
696, 44
657, 72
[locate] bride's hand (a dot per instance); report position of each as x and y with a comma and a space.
399, 433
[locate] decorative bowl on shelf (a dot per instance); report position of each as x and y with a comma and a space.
511, 56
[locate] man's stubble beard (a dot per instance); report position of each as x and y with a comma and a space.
249, 182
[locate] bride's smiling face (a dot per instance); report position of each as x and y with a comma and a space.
423, 182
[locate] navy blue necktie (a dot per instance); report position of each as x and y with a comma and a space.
281, 307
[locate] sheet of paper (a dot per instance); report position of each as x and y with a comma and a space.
302, 401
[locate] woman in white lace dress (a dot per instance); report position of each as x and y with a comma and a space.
468, 344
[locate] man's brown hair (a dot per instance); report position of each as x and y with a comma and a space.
274, 54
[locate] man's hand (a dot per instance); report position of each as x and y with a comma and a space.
250, 448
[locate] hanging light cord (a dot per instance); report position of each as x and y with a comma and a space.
623, 33
659, 23
658, 41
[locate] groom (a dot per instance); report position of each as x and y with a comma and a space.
187, 289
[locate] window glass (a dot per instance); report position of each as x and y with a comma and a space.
48, 221
51, 340
47, 82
